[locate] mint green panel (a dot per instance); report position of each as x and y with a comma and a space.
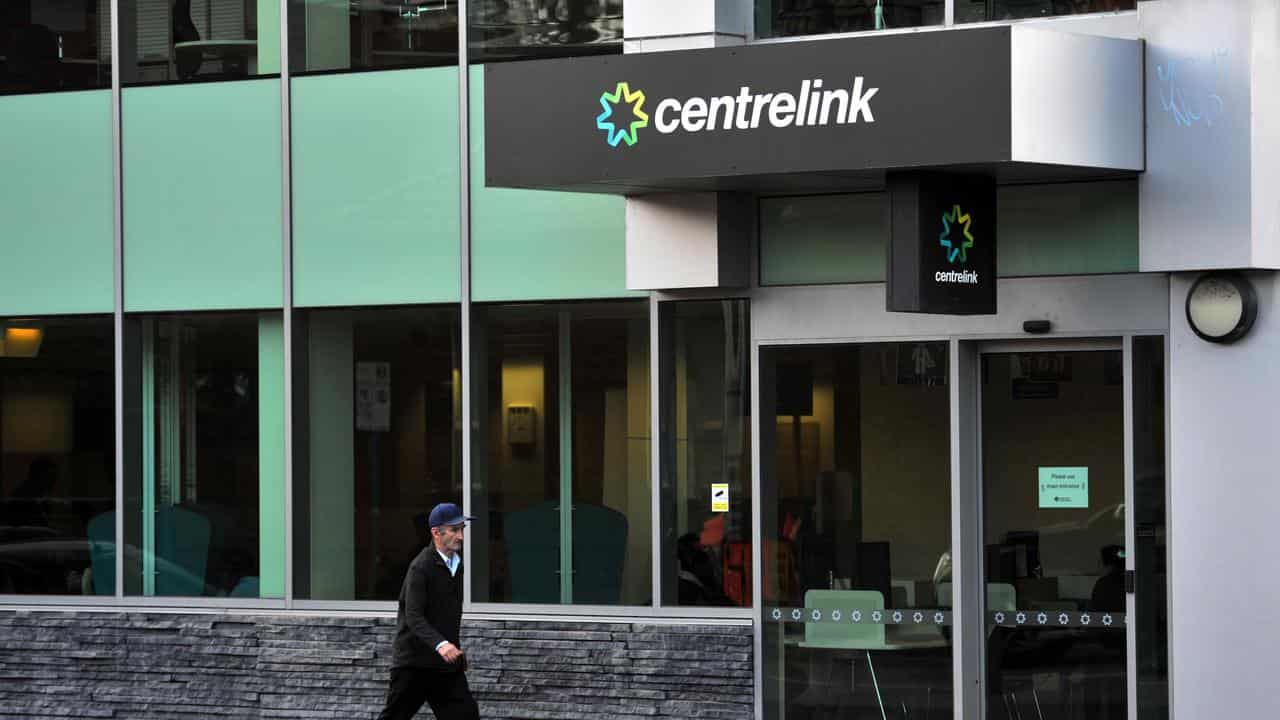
540, 245
202, 196
55, 204
822, 239
376, 183
1068, 229
1059, 229
271, 444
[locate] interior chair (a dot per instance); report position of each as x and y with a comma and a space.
599, 552
533, 553
181, 548
182, 551
866, 636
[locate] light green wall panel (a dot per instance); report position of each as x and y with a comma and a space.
376, 184
1059, 229
538, 245
55, 204
271, 448
1068, 229
202, 196
822, 239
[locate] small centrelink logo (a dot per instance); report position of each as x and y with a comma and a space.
956, 239
616, 129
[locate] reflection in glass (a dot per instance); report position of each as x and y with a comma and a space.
168, 41
1054, 519
372, 34
855, 483
377, 442
980, 10
560, 448
1150, 558
57, 456
54, 45
199, 462
529, 29
785, 18
706, 447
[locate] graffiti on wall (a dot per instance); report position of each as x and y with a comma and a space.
1189, 88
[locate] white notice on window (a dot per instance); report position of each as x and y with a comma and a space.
373, 396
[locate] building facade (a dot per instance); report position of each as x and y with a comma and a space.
936, 390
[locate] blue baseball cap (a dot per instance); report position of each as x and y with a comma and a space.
446, 514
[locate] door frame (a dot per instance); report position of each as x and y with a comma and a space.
971, 584
1082, 310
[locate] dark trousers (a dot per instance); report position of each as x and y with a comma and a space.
446, 691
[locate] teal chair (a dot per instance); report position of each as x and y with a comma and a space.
866, 636
182, 552
533, 553
532, 536
599, 551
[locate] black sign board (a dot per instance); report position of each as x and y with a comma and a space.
726, 118
942, 250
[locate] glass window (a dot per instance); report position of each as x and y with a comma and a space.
327, 35
171, 41
785, 18
54, 45
856, 521
980, 10
204, 455
57, 456
377, 443
560, 446
502, 30
706, 453
1079, 228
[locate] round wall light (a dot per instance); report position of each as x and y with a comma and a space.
1221, 307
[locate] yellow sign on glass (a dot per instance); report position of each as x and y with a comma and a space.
719, 497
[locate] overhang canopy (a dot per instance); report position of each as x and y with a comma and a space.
1013, 102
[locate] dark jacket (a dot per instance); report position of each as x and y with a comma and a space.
430, 612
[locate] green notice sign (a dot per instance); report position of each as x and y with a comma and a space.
1064, 487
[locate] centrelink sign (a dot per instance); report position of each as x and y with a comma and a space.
727, 118
623, 115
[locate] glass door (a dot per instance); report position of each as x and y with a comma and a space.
1055, 541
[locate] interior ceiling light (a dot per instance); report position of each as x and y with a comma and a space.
22, 342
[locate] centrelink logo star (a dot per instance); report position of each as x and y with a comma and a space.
956, 250
609, 101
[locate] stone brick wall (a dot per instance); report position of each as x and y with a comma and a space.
156, 665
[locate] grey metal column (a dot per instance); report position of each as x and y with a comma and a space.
1131, 546
757, 534
464, 255
286, 230
117, 202
655, 449
968, 625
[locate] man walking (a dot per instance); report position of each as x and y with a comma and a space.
427, 663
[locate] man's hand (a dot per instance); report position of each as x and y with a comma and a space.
449, 652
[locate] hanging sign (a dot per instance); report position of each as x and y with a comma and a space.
942, 253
